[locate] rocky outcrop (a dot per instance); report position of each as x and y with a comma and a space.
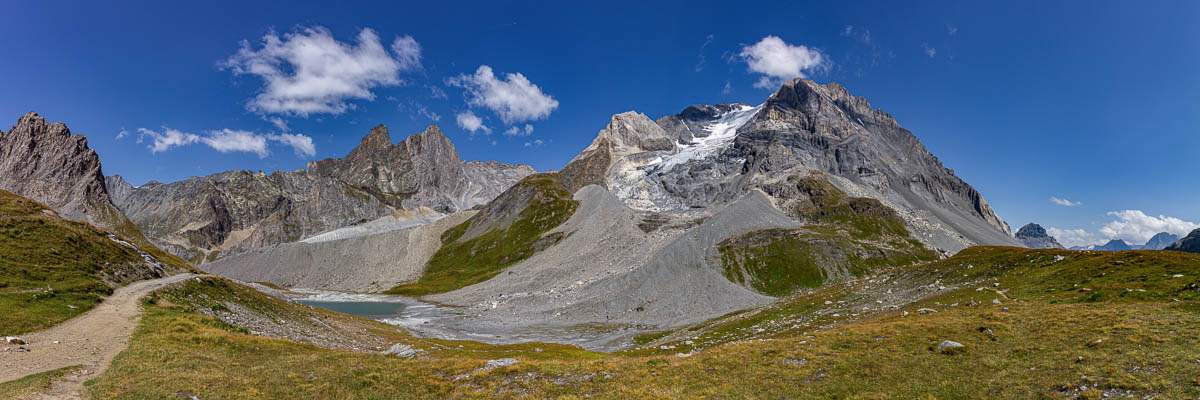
205, 218
45, 162
1189, 243
1160, 241
1035, 237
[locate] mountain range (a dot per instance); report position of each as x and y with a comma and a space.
391, 185
657, 223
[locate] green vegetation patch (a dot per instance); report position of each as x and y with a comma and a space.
460, 263
52, 269
846, 237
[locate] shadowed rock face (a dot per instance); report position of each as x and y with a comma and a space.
203, 218
720, 152
1189, 243
45, 162
1035, 237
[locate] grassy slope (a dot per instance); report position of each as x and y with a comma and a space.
460, 263
52, 269
1045, 345
853, 235
40, 251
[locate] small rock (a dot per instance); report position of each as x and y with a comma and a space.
402, 350
503, 362
904, 313
950, 347
1177, 276
827, 302
996, 301
14, 340
925, 310
1004, 309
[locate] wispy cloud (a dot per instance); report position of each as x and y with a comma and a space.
519, 131
779, 61
1064, 202
929, 51
702, 59
309, 72
225, 141
513, 99
951, 29
534, 143
122, 134
472, 123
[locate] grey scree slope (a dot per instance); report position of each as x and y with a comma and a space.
364, 263
609, 272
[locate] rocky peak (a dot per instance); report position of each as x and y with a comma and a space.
375, 141
634, 131
45, 162
1035, 237
1160, 241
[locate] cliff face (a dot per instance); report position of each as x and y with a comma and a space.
203, 218
43, 161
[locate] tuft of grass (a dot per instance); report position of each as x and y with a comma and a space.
460, 263
34, 385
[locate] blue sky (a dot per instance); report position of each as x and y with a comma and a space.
1097, 105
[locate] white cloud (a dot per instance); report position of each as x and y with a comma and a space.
226, 141
1134, 226
513, 99
728, 89
951, 29
518, 131
929, 50
302, 145
779, 61
1073, 237
408, 52
467, 120
1064, 202
122, 134
309, 72
534, 143
166, 139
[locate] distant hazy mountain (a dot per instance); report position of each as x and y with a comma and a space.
1035, 237
1160, 241
1112, 245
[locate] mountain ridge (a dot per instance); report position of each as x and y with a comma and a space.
208, 217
